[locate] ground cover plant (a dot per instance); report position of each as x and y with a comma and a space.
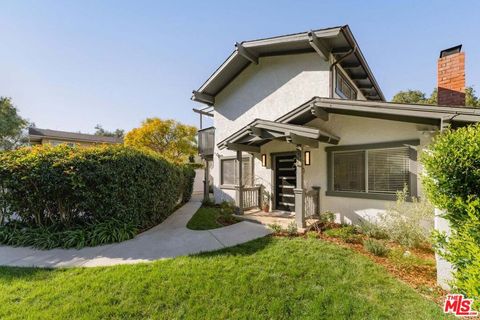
73, 197
269, 278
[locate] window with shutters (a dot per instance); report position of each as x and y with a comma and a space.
371, 171
229, 171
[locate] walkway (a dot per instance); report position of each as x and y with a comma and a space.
167, 240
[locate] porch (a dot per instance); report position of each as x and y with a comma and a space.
286, 190
252, 208
276, 217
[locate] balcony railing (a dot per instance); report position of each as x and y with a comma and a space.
206, 142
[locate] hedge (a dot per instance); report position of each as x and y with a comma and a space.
58, 189
452, 183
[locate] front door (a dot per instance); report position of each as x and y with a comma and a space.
285, 182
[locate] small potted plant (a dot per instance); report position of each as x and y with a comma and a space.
266, 201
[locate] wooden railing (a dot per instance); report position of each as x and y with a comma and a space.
252, 197
312, 202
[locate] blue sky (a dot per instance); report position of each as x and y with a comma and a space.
69, 65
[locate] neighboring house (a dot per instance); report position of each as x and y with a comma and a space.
302, 117
54, 137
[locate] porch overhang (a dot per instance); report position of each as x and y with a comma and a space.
259, 132
318, 107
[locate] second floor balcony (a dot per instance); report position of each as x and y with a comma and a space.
206, 142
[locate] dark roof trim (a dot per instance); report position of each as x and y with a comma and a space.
37, 134
247, 52
415, 113
275, 130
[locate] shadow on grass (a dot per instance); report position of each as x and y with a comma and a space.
244, 249
26, 273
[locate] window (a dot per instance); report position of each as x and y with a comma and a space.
388, 170
229, 171
349, 171
343, 88
371, 171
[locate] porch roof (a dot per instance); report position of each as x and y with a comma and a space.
415, 113
260, 131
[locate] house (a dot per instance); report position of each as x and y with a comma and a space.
301, 118
54, 137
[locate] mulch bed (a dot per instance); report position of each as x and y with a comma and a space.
422, 278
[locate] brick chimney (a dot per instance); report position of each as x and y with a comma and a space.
451, 77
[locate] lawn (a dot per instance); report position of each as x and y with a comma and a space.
211, 217
275, 278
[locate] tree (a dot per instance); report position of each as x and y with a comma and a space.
99, 131
11, 125
410, 96
171, 139
419, 97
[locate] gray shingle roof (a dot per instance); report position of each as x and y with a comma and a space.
38, 134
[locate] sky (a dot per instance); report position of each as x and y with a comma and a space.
69, 65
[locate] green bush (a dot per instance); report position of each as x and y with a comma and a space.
327, 217
292, 229
408, 223
188, 173
462, 249
373, 230
49, 190
376, 247
276, 228
452, 183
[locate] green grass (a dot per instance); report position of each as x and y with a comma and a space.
206, 218
269, 278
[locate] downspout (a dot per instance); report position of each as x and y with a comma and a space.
337, 62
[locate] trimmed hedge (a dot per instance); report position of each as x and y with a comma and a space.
66, 188
452, 183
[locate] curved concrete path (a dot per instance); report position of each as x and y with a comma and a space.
169, 239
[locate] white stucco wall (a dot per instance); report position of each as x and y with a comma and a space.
268, 90
352, 130
276, 86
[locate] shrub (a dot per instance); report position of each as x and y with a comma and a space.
452, 164
376, 247
373, 230
462, 249
452, 183
292, 228
327, 217
188, 172
354, 238
66, 188
408, 223
276, 228
343, 232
